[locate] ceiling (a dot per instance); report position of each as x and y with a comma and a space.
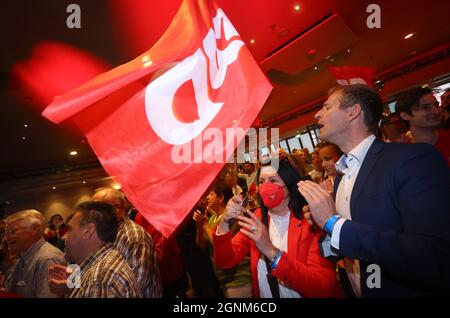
115, 31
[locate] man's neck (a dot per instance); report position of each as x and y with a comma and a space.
353, 140
35, 240
89, 250
426, 135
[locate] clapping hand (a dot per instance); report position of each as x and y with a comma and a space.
199, 218
320, 202
253, 228
58, 279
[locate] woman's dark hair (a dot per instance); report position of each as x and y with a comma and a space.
290, 177
221, 188
297, 163
51, 220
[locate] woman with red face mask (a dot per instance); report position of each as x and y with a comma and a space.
279, 240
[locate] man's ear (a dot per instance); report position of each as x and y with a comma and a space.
354, 112
88, 230
405, 116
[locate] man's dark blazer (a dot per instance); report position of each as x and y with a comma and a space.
400, 208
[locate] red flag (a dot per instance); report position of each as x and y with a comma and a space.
347, 75
143, 118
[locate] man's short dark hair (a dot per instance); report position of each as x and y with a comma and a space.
103, 216
368, 98
410, 98
220, 187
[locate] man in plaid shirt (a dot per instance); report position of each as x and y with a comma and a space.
135, 245
104, 273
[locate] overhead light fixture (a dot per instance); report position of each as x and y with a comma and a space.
348, 51
25, 125
23, 137
73, 153
84, 182
252, 41
315, 67
408, 36
297, 7
54, 188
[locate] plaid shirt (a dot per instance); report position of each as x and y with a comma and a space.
105, 274
137, 247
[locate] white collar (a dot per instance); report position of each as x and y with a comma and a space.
355, 156
280, 218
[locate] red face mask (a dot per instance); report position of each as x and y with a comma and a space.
272, 194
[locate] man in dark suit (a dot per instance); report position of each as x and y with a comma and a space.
389, 219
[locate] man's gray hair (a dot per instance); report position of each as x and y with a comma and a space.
30, 217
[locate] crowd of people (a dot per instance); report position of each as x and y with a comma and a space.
366, 214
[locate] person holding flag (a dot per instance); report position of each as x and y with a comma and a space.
198, 80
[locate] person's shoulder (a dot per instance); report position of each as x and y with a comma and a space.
405, 150
113, 258
133, 231
109, 259
117, 265
48, 250
109, 264
413, 157
49, 253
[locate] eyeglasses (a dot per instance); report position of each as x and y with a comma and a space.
426, 107
11, 232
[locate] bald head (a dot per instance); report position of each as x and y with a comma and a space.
113, 197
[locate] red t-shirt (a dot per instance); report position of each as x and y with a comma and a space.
443, 144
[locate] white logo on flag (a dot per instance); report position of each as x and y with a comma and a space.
159, 94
